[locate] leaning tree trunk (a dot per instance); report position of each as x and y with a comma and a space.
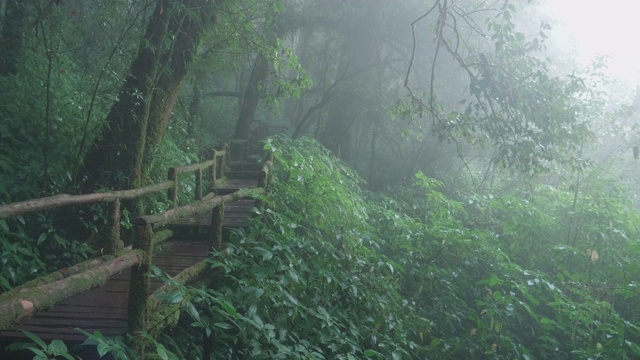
138, 119
251, 97
254, 88
173, 75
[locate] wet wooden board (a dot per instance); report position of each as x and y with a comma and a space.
233, 185
236, 214
104, 309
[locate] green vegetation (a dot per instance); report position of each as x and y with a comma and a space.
450, 182
330, 271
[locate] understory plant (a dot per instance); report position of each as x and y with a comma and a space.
328, 271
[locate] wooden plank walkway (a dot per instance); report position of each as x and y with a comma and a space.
236, 215
104, 309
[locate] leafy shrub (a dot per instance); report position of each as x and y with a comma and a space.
327, 271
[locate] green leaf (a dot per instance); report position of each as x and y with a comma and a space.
57, 347
369, 353
217, 264
162, 353
223, 325
228, 308
191, 309
42, 238
103, 348
35, 339
174, 297
39, 353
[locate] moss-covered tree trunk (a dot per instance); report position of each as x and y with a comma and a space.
139, 117
15, 17
254, 89
251, 97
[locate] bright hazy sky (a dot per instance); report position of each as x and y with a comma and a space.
603, 27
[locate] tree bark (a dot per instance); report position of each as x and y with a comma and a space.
251, 97
138, 119
11, 37
253, 90
188, 30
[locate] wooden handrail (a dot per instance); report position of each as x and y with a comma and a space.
200, 166
62, 200
153, 313
15, 308
206, 204
27, 299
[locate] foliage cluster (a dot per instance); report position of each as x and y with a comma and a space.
327, 271
51, 109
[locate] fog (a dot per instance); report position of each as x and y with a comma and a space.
600, 28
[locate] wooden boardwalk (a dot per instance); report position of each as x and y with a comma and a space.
104, 309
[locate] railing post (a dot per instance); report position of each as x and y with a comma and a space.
215, 232
269, 156
113, 244
265, 173
271, 162
214, 169
172, 193
198, 184
263, 180
223, 162
139, 284
227, 149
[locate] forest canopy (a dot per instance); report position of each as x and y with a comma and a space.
450, 181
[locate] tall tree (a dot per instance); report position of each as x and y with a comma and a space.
252, 92
11, 37
254, 89
139, 117
358, 54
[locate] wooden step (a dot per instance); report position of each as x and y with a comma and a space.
233, 185
243, 165
236, 214
243, 174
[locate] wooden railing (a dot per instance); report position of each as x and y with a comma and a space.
217, 164
48, 290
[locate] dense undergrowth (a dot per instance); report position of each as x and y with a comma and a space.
329, 271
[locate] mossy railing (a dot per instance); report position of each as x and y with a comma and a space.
46, 291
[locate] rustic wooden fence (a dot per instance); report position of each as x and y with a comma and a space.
46, 291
